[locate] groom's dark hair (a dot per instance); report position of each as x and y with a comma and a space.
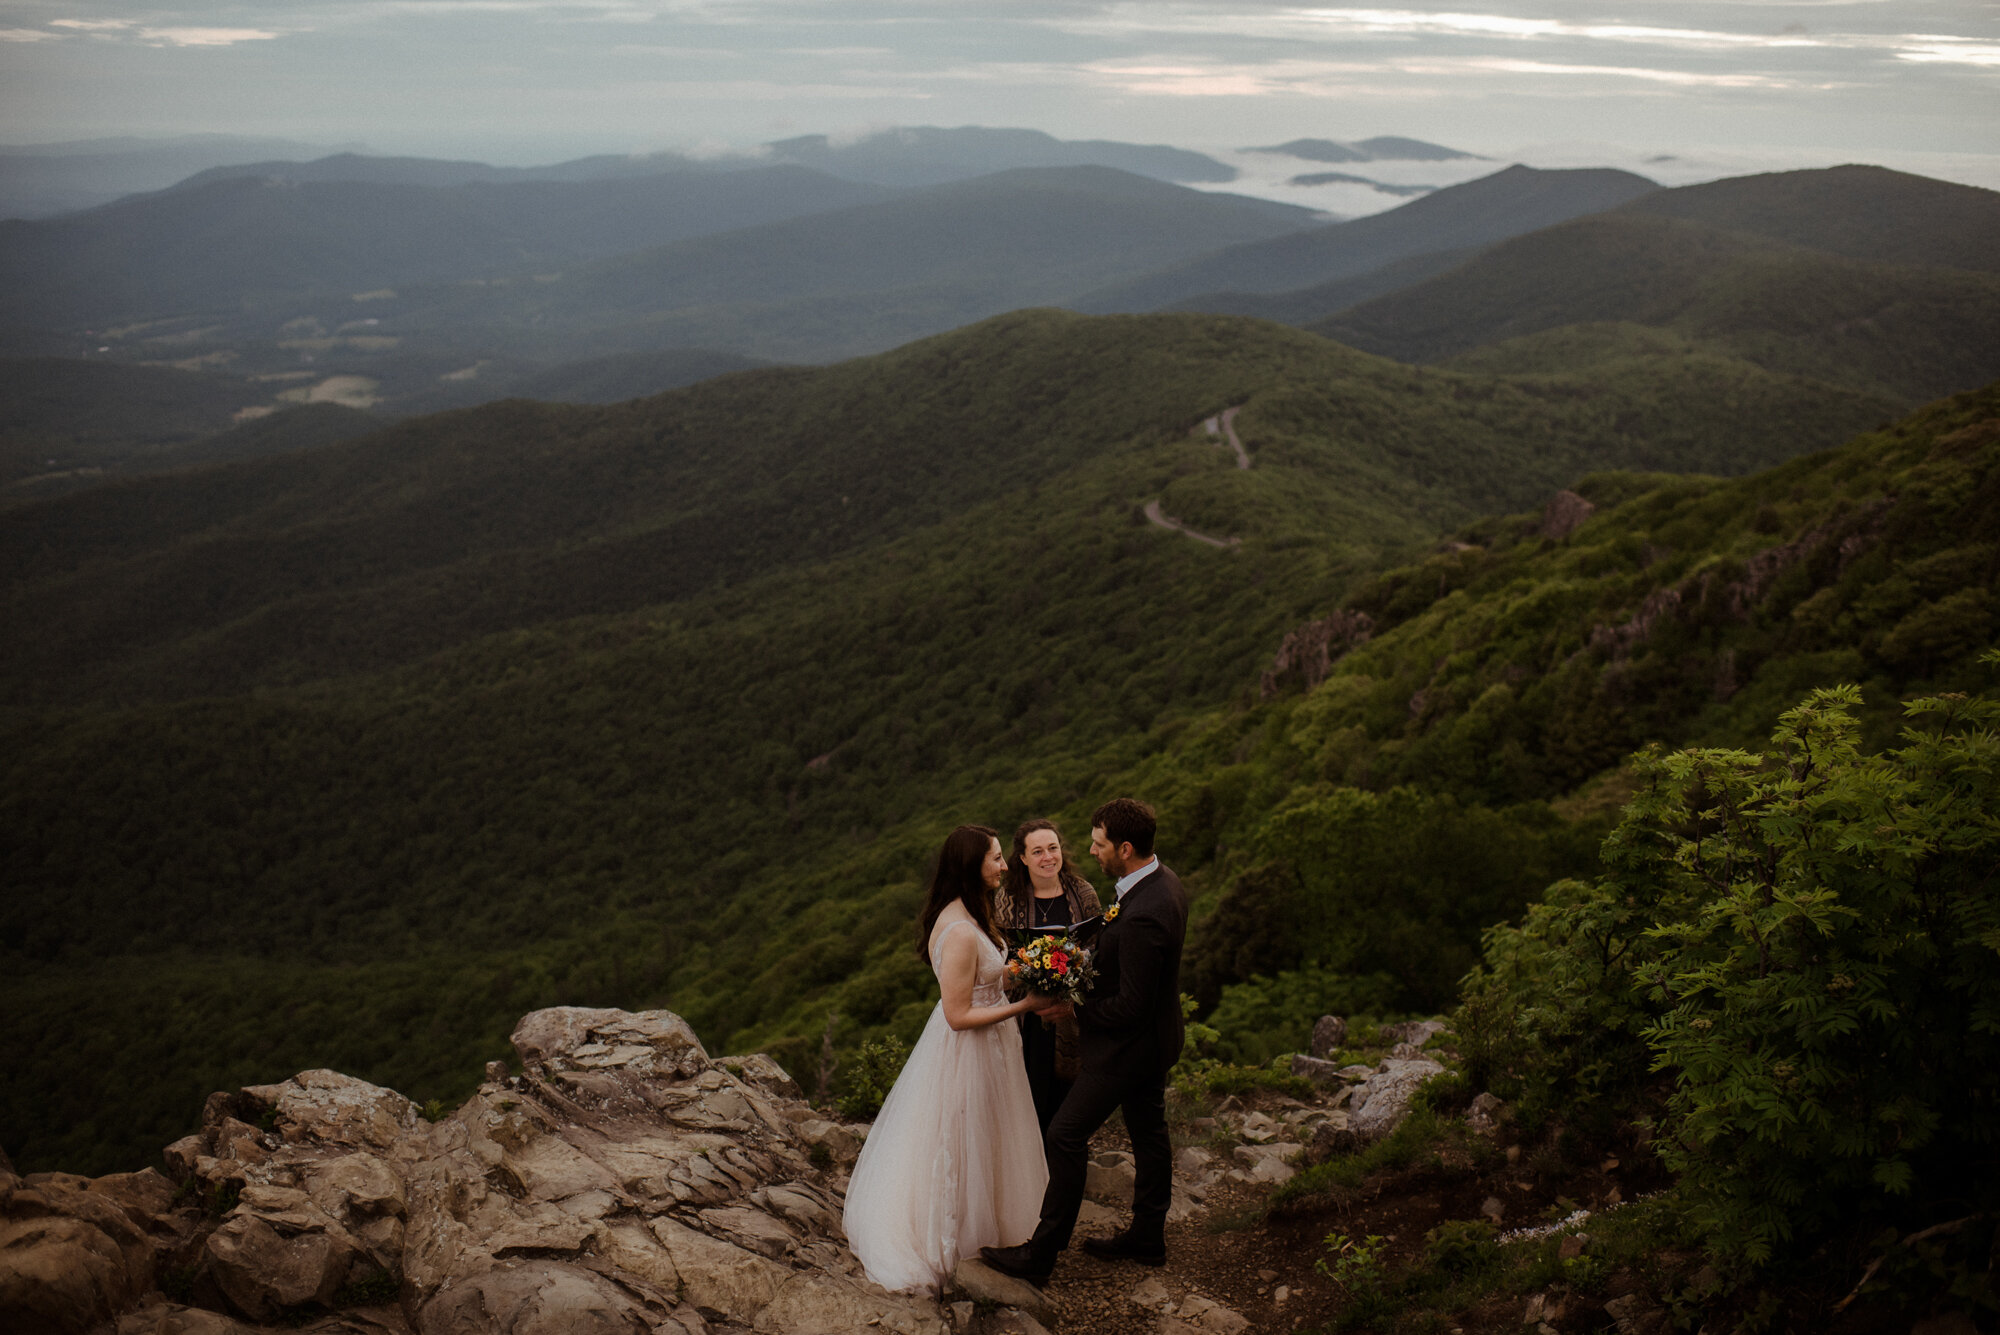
1127, 820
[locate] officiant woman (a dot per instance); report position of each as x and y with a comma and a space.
1043, 890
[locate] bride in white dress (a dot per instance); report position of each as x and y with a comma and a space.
954, 1161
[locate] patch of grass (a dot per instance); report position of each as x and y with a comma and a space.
1221, 1081
1234, 1221
1421, 1133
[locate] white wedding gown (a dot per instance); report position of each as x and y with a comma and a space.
954, 1162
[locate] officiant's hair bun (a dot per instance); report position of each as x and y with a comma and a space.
1127, 820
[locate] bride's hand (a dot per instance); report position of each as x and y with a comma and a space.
1055, 1010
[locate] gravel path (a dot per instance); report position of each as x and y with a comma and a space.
1167, 521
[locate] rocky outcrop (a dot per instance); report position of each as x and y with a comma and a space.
1382, 1101
1307, 654
623, 1182
70, 1258
1564, 515
1733, 594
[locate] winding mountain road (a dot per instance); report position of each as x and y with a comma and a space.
1222, 427
1167, 521
1223, 424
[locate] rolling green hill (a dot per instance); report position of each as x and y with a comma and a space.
1511, 201
1307, 305
467, 524
1910, 332
349, 757
62, 414
1862, 213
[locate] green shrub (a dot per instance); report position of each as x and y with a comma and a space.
1355, 1265
1807, 944
1264, 1017
1830, 997
869, 1075
1462, 1246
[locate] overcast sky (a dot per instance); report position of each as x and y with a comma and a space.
1906, 82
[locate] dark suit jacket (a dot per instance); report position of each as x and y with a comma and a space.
1131, 1021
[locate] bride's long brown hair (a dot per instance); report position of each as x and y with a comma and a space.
959, 877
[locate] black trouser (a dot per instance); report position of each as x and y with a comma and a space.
1038, 1051
1067, 1146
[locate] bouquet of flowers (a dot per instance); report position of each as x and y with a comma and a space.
1053, 964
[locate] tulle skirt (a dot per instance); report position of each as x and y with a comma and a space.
954, 1161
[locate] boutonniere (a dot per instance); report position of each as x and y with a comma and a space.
1111, 915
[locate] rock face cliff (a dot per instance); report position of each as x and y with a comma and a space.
625, 1182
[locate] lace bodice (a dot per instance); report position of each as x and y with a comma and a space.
988, 987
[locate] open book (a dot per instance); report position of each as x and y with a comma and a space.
1082, 933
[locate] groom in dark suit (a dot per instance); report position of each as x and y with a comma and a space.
1131, 1038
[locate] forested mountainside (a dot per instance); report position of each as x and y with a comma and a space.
1882, 272
349, 757
1508, 203
446, 528
1897, 329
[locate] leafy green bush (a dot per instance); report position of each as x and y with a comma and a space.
1376, 900
1263, 1017
1553, 1017
869, 1075
1462, 1246
1356, 1265
1830, 993
1807, 943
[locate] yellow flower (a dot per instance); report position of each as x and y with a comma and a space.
1111, 915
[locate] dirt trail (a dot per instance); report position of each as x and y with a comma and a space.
1223, 425
1227, 1249
1167, 521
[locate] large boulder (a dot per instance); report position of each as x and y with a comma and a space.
622, 1183
534, 1297
1382, 1101
649, 1044
325, 1108
70, 1259
165, 1318
365, 1196
763, 1072
264, 1271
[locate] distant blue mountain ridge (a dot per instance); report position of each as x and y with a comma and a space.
1382, 148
